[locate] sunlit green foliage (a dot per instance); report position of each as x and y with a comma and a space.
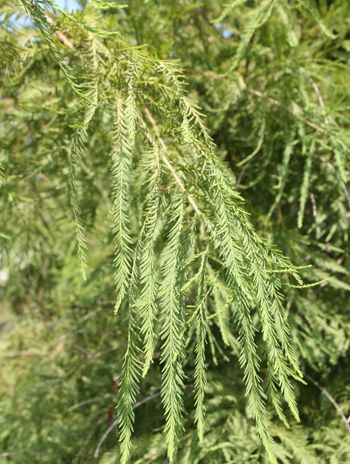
145, 296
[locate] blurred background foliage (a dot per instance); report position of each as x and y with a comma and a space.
272, 79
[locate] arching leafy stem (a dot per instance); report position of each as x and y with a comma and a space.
187, 236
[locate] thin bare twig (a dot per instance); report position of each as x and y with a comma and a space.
116, 422
90, 314
319, 96
64, 39
167, 162
102, 353
239, 180
331, 399
84, 350
88, 439
314, 208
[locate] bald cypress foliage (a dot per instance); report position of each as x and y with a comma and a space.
175, 216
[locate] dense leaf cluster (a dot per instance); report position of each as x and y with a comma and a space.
107, 168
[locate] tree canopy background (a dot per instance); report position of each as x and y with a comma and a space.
164, 151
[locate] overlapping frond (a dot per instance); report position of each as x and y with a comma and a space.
181, 237
129, 388
172, 337
198, 292
121, 170
200, 319
148, 273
